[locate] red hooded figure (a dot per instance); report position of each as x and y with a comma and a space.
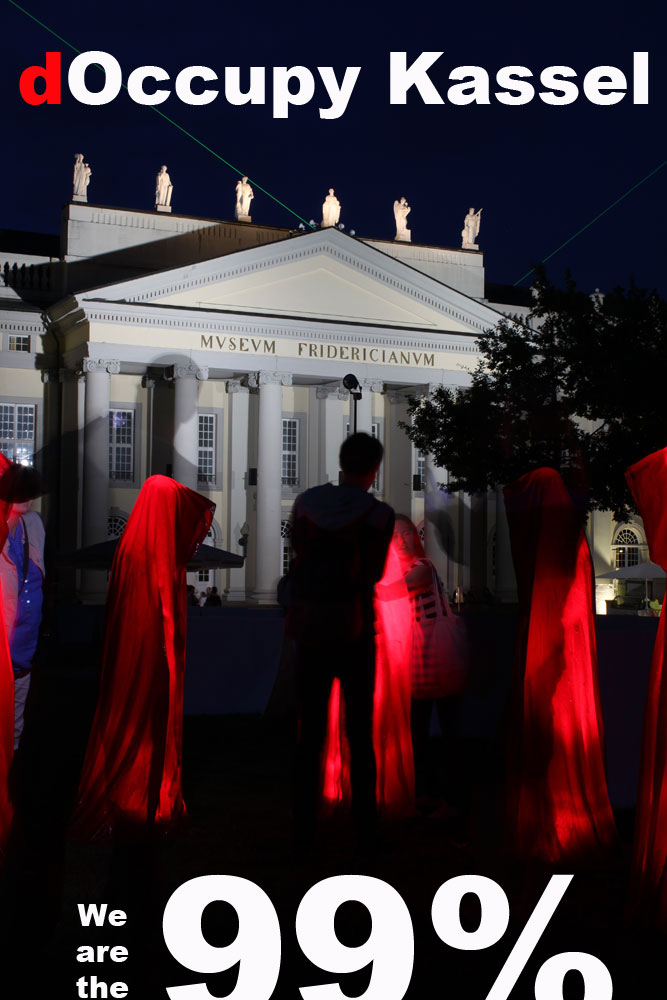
647, 481
558, 805
131, 776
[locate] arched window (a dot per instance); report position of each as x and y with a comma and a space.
116, 522
286, 550
627, 548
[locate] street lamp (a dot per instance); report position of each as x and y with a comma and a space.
351, 383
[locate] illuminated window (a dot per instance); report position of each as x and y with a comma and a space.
121, 445
17, 432
206, 449
626, 548
19, 343
290, 453
286, 550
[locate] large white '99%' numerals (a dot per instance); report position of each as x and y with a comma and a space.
390, 946
256, 946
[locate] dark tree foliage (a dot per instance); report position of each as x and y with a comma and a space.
582, 390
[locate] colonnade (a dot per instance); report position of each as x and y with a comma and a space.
325, 432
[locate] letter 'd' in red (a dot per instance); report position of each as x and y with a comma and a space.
51, 76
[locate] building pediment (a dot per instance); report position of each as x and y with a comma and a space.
324, 276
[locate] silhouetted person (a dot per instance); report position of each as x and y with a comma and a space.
213, 600
340, 535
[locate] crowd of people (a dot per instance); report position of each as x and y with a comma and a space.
208, 598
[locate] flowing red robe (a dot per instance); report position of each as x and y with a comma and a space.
392, 739
6, 691
131, 777
648, 483
558, 805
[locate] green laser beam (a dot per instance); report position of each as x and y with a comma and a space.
589, 224
171, 121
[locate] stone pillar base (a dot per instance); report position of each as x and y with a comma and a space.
235, 596
80, 197
405, 237
243, 218
163, 208
265, 597
470, 246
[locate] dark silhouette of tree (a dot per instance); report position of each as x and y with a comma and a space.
580, 387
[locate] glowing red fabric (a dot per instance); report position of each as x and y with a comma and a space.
6, 691
648, 483
392, 739
558, 805
131, 777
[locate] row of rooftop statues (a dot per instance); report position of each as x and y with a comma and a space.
244, 194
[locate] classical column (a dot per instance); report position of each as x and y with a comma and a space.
95, 507
331, 431
237, 477
148, 383
440, 507
398, 457
268, 481
506, 591
186, 430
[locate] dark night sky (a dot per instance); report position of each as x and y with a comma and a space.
541, 173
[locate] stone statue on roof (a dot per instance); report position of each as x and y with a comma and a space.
470, 230
244, 195
330, 210
81, 179
163, 190
401, 212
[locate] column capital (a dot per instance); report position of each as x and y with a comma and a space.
198, 372
100, 365
256, 379
375, 385
331, 391
233, 385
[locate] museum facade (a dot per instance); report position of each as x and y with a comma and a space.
215, 352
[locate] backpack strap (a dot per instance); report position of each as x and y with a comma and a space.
26, 555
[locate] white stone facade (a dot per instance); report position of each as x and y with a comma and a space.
225, 368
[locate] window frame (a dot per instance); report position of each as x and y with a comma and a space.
114, 477
16, 337
290, 490
217, 483
33, 404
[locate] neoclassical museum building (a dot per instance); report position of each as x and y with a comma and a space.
142, 342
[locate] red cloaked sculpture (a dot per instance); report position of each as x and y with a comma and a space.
131, 777
392, 739
6, 690
557, 802
648, 484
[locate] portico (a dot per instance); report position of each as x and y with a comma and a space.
228, 375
